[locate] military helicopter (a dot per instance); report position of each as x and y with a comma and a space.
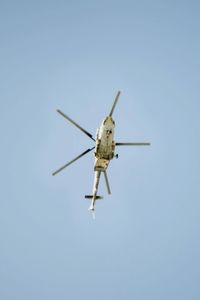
104, 151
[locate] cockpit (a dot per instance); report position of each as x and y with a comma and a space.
108, 120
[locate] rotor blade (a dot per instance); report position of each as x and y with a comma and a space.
107, 183
133, 144
73, 160
74, 123
114, 104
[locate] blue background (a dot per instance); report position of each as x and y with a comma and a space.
75, 56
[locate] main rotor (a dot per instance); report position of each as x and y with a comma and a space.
91, 136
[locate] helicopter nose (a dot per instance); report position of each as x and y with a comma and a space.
108, 121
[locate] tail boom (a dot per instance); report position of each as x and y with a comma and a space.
94, 196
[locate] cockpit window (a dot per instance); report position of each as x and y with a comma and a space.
104, 122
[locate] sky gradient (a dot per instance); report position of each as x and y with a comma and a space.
75, 56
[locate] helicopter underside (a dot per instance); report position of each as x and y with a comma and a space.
101, 164
103, 154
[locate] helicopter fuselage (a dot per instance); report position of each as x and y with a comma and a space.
105, 145
104, 152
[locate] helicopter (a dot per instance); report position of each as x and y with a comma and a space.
104, 151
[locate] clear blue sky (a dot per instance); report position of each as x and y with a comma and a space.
76, 55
